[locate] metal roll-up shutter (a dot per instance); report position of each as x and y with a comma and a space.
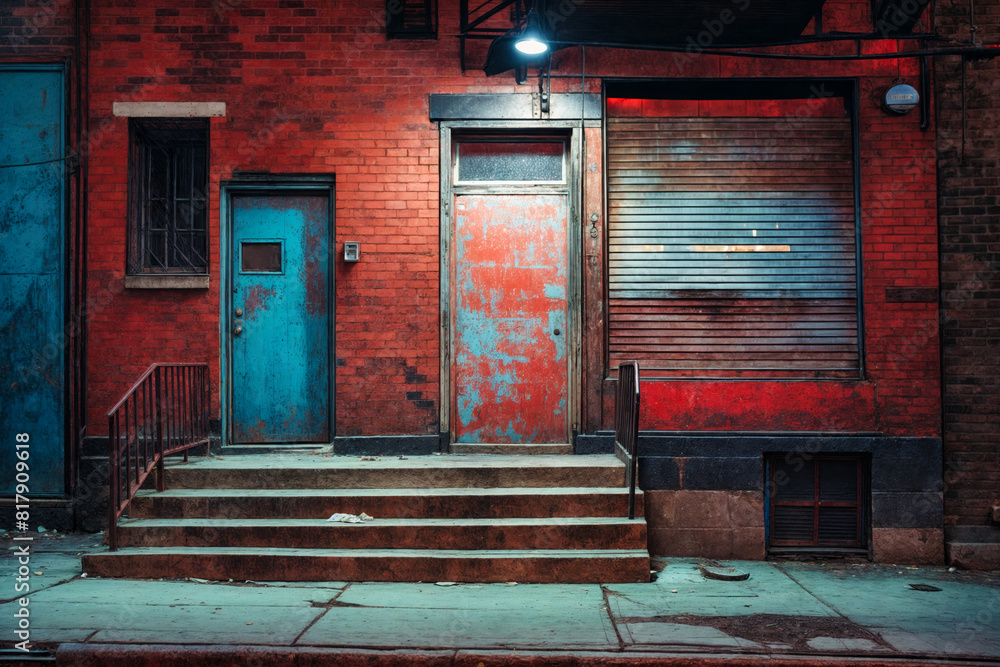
732, 249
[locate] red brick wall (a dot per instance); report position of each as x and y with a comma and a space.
969, 216
32, 30
315, 87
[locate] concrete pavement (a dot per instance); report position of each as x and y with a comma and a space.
785, 613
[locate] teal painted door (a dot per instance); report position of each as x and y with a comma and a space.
32, 264
281, 325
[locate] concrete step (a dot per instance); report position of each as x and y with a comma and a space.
318, 471
474, 534
509, 449
442, 503
240, 564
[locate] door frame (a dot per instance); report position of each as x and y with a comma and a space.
571, 132
267, 184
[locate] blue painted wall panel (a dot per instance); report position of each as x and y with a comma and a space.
32, 258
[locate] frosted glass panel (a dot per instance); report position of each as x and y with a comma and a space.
537, 162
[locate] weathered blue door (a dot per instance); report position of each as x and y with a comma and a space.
280, 323
32, 261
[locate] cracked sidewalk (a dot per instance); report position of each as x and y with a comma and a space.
792, 612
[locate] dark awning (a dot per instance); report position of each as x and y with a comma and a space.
657, 23
674, 22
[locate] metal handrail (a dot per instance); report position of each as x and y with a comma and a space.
164, 412
627, 426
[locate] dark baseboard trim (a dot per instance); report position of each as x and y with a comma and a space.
388, 445
594, 444
902, 468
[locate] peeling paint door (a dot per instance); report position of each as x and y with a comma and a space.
32, 292
281, 326
510, 303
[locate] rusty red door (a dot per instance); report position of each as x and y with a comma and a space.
510, 369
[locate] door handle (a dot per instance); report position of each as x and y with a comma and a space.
239, 312
556, 332
237, 331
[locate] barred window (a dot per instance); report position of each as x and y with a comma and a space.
411, 19
168, 196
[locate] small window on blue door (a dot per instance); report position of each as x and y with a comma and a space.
261, 257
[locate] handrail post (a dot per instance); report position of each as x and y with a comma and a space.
113, 484
627, 427
160, 483
206, 402
635, 442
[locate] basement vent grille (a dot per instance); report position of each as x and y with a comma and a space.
816, 501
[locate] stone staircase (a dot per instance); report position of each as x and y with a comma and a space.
487, 518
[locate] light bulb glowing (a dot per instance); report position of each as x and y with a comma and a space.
532, 40
531, 46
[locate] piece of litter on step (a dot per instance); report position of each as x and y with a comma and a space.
445, 583
343, 517
674, 591
511, 583
198, 581
83, 575
402, 458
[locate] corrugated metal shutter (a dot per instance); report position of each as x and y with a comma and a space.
731, 247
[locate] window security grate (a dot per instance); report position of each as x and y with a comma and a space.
168, 196
411, 19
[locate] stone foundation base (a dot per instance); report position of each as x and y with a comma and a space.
908, 546
973, 547
710, 524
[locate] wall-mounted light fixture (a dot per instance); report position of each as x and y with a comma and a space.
532, 40
352, 251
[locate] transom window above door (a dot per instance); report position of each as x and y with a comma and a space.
510, 161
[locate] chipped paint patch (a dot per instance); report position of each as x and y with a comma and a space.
256, 300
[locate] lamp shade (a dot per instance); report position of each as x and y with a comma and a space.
532, 40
